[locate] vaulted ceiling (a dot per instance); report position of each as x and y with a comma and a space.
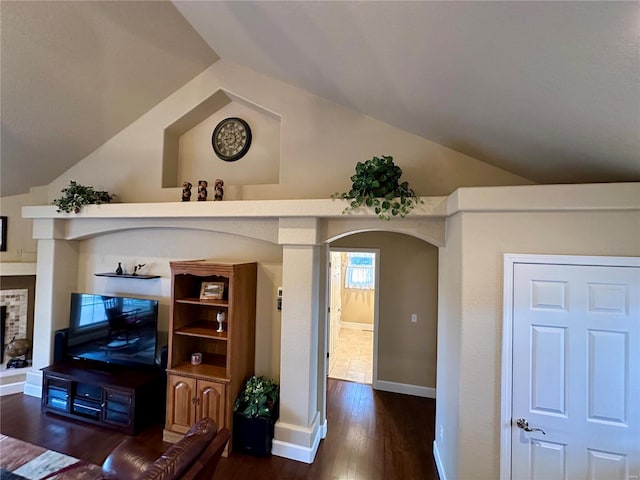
547, 90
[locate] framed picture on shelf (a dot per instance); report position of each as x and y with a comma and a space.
212, 291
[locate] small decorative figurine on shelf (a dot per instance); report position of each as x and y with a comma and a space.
186, 191
119, 270
138, 267
196, 358
220, 318
202, 190
219, 191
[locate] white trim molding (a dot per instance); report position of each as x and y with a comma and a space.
404, 388
296, 452
286, 434
33, 385
357, 326
10, 388
507, 333
438, 460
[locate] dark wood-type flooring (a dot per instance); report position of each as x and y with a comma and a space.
371, 435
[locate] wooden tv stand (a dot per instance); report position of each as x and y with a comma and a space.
119, 398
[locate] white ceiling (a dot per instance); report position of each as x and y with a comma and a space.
547, 90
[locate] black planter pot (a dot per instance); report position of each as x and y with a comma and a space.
253, 435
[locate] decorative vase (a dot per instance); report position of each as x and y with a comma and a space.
220, 318
119, 270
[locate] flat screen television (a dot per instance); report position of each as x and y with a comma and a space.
113, 329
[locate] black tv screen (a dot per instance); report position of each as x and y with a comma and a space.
116, 330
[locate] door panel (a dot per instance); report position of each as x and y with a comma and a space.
548, 382
180, 403
576, 371
211, 401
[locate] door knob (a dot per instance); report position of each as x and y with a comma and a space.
524, 425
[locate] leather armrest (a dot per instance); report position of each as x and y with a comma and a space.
130, 459
133, 460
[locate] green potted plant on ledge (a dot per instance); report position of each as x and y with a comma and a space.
376, 184
75, 196
254, 416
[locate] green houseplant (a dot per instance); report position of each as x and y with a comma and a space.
254, 416
75, 196
376, 183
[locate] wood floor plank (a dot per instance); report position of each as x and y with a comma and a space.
371, 435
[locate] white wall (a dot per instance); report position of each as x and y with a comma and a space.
470, 323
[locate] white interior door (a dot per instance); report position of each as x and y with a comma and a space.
335, 304
576, 372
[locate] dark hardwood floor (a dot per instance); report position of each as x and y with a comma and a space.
371, 435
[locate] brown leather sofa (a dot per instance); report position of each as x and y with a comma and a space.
194, 457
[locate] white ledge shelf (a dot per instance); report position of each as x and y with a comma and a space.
580, 197
305, 208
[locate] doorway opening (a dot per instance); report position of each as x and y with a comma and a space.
353, 312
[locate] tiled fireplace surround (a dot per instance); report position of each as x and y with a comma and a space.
17, 303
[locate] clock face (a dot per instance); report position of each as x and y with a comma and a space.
231, 139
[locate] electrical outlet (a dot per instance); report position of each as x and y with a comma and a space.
414, 318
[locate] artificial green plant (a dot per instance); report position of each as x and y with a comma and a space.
258, 397
75, 196
376, 183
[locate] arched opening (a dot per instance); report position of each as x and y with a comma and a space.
407, 310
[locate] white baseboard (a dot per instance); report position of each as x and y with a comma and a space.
404, 388
357, 326
33, 385
323, 430
33, 390
438, 460
297, 452
10, 388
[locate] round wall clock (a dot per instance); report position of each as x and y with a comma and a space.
231, 139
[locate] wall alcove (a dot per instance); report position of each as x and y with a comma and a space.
188, 154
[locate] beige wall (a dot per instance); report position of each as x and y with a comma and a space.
470, 323
408, 284
20, 246
197, 160
130, 164
156, 247
357, 306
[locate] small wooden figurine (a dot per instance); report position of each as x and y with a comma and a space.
186, 191
202, 190
219, 191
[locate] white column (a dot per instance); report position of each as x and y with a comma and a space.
56, 278
297, 432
